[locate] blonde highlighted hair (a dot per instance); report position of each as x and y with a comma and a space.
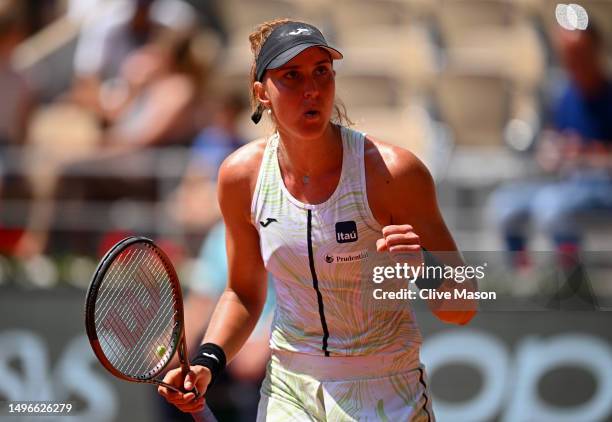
257, 38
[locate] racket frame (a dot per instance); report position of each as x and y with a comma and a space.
178, 333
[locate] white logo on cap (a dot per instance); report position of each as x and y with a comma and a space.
299, 31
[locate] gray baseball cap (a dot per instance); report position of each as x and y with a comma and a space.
287, 41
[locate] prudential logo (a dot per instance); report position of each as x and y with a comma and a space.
347, 257
572, 16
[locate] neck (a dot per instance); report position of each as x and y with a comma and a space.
311, 157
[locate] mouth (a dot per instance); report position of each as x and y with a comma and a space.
312, 114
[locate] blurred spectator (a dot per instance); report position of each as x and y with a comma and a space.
111, 32
212, 145
39, 14
211, 17
577, 151
16, 94
154, 106
236, 392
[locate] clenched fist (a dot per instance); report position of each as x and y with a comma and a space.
402, 242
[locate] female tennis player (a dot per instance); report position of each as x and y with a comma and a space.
321, 207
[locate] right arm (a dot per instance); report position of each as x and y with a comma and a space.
240, 305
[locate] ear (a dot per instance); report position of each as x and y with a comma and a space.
261, 95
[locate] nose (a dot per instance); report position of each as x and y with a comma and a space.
311, 88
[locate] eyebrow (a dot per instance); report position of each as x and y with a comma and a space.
296, 67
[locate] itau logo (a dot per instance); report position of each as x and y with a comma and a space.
346, 231
572, 16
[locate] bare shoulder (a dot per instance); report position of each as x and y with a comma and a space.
238, 176
395, 177
390, 165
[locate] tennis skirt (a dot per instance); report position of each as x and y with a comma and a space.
387, 388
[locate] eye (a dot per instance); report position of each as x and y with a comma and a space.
322, 70
292, 74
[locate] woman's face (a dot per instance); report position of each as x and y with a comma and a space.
301, 93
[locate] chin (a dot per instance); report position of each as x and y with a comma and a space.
312, 131
306, 130
317, 126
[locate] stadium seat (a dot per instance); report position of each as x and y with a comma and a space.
62, 132
355, 16
457, 18
406, 53
243, 16
367, 89
476, 107
407, 127
515, 52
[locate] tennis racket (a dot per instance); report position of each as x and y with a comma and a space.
134, 315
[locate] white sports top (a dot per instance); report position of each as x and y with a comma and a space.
321, 258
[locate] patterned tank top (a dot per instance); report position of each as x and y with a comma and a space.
321, 258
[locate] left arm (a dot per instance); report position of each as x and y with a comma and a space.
403, 197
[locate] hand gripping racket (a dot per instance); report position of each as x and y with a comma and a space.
134, 314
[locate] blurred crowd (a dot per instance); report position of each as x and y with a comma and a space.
138, 84
116, 114
574, 153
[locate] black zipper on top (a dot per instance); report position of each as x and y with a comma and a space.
422, 381
315, 284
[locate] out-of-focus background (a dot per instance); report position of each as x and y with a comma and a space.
115, 116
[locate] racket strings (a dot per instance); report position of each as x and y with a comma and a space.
134, 354
135, 312
108, 299
112, 282
161, 328
160, 334
138, 317
149, 314
112, 309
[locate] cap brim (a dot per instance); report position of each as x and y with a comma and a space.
287, 55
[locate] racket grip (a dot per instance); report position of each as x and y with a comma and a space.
204, 415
